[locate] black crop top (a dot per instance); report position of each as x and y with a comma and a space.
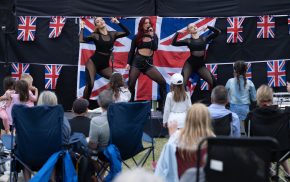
105, 43
153, 45
196, 44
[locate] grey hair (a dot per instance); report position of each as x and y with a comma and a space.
219, 95
105, 99
47, 98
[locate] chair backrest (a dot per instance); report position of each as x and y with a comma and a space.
238, 159
126, 121
276, 125
38, 133
187, 159
222, 126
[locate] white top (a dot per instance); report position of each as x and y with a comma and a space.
125, 95
175, 107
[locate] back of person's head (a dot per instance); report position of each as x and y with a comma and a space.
28, 78
219, 95
197, 126
47, 98
80, 106
21, 88
240, 68
137, 175
116, 81
8, 83
176, 86
105, 99
264, 95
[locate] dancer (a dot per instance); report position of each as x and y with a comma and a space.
197, 46
99, 61
140, 58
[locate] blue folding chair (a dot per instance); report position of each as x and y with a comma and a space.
38, 136
126, 121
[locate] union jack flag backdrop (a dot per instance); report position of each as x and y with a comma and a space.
213, 69
52, 73
276, 72
55, 26
26, 28
17, 69
249, 71
266, 27
168, 59
234, 30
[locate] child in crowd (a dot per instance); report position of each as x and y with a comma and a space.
184, 142
177, 102
241, 91
33, 91
8, 86
121, 92
21, 96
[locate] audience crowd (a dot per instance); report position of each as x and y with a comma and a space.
187, 123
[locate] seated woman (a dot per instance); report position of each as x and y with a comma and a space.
121, 92
176, 156
262, 116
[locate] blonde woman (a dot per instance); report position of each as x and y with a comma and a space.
197, 126
197, 46
265, 114
104, 41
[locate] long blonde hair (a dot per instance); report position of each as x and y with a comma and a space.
197, 126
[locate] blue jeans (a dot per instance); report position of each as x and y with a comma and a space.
241, 110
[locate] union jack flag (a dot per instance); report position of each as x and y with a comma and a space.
26, 28
52, 73
213, 69
266, 27
55, 26
167, 59
276, 71
192, 82
234, 30
289, 24
17, 69
249, 71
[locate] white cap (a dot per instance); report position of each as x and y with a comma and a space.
176, 79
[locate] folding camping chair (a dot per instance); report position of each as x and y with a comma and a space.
222, 126
126, 121
38, 136
277, 127
237, 159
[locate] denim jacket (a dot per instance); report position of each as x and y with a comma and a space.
242, 95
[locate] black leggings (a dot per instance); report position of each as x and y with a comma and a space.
196, 64
98, 63
144, 64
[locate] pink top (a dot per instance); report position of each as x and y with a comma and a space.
15, 100
32, 98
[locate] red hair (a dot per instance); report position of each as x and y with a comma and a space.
141, 30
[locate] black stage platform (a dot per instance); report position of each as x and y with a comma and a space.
154, 128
